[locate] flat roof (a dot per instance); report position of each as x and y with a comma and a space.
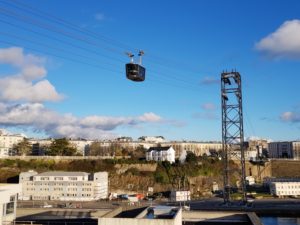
62, 173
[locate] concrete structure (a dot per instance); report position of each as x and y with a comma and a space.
285, 188
179, 196
159, 215
64, 186
286, 149
7, 141
81, 145
161, 154
198, 148
8, 202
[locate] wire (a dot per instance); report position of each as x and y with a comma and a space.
35, 11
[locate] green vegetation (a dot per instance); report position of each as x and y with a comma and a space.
22, 148
178, 173
61, 147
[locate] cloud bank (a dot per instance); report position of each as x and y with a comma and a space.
283, 43
40, 118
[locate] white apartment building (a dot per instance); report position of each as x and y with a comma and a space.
178, 196
7, 141
161, 154
198, 148
286, 149
8, 202
64, 186
286, 188
81, 145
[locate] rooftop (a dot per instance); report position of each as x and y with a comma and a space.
62, 173
158, 148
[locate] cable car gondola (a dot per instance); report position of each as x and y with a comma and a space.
135, 72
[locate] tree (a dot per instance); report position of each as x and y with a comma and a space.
23, 147
190, 157
61, 147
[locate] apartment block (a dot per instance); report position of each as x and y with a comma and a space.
286, 149
7, 141
63, 186
286, 188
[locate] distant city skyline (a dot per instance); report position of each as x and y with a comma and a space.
63, 71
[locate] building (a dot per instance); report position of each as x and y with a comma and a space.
8, 202
64, 186
7, 142
161, 154
178, 196
286, 149
82, 145
198, 148
285, 188
39, 146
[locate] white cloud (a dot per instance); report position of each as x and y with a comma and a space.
28, 84
290, 117
99, 16
208, 106
284, 42
150, 117
40, 118
210, 80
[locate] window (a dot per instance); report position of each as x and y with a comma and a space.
10, 207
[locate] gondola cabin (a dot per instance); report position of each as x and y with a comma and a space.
135, 72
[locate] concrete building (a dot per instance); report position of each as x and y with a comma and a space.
64, 186
286, 149
285, 188
7, 142
280, 150
198, 148
8, 202
178, 196
161, 154
81, 145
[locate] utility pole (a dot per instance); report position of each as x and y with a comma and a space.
232, 129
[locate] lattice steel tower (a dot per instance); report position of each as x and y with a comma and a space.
232, 129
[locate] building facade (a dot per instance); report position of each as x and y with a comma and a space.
286, 149
8, 202
179, 196
161, 154
64, 186
7, 142
282, 189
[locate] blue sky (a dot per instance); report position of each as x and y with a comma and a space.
61, 79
